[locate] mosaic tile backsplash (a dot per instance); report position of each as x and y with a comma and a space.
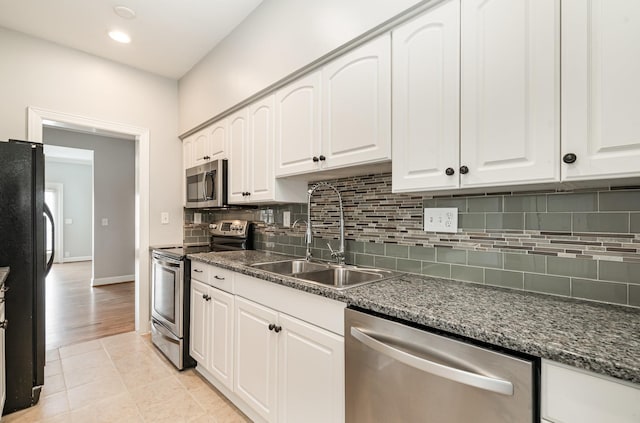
582, 244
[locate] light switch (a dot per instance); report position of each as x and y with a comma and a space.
105, 221
444, 219
164, 218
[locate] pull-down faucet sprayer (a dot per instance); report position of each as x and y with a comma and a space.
338, 255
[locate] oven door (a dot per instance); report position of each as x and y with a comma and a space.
167, 289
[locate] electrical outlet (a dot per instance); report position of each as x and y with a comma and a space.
270, 244
105, 221
164, 218
286, 219
443, 219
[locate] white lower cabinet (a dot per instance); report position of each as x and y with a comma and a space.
286, 369
570, 395
275, 352
211, 343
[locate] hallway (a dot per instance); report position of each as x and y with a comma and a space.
76, 312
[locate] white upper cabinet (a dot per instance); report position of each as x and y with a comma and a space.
200, 153
356, 106
298, 126
600, 89
206, 145
238, 157
510, 109
217, 148
251, 160
339, 116
426, 115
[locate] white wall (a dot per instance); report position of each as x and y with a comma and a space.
278, 38
77, 205
114, 199
42, 74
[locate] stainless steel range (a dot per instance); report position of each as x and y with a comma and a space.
171, 283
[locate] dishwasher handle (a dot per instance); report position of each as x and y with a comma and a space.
498, 386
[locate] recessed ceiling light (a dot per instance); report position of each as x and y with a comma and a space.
120, 37
124, 12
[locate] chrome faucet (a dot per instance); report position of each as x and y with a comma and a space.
338, 255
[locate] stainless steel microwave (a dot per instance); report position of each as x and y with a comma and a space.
206, 185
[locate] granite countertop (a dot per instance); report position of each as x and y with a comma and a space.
4, 272
601, 338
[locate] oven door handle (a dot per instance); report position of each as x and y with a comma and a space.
161, 262
164, 331
486, 383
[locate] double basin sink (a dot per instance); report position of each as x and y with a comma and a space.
337, 276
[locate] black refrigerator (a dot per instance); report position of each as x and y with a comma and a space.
23, 249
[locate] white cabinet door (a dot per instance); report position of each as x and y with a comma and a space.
256, 357
601, 88
237, 157
187, 153
201, 147
298, 116
199, 329
356, 106
310, 373
510, 112
260, 157
220, 362
571, 395
217, 147
426, 96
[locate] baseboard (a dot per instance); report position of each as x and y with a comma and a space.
72, 259
112, 279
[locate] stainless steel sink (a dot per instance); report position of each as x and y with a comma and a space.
291, 267
341, 277
337, 276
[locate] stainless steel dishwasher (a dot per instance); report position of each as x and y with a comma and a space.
399, 373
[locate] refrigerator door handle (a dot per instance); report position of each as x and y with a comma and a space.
49, 216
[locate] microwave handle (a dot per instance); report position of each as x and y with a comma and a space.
204, 185
206, 195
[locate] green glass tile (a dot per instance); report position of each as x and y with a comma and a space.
505, 220
296, 240
484, 259
506, 279
619, 271
601, 222
635, 223
484, 204
449, 255
525, 262
436, 269
429, 202
350, 258
384, 262
355, 246
471, 220
609, 292
374, 248
466, 273
422, 253
548, 221
619, 200
582, 268
395, 250
634, 295
411, 266
564, 202
525, 203
459, 203
364, 260
300, 251
289, 249
547, 284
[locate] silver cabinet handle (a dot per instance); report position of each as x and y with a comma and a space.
498, 386
197, 270
218, 278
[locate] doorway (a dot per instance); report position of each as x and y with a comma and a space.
37, 118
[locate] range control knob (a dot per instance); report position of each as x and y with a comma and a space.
213, 226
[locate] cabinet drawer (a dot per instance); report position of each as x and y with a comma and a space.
572, 395
221, 278
200, 271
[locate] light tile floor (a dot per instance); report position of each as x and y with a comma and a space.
123, 378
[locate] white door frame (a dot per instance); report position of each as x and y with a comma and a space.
58, 215
35, 118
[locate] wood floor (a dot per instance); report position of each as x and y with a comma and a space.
76, 312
